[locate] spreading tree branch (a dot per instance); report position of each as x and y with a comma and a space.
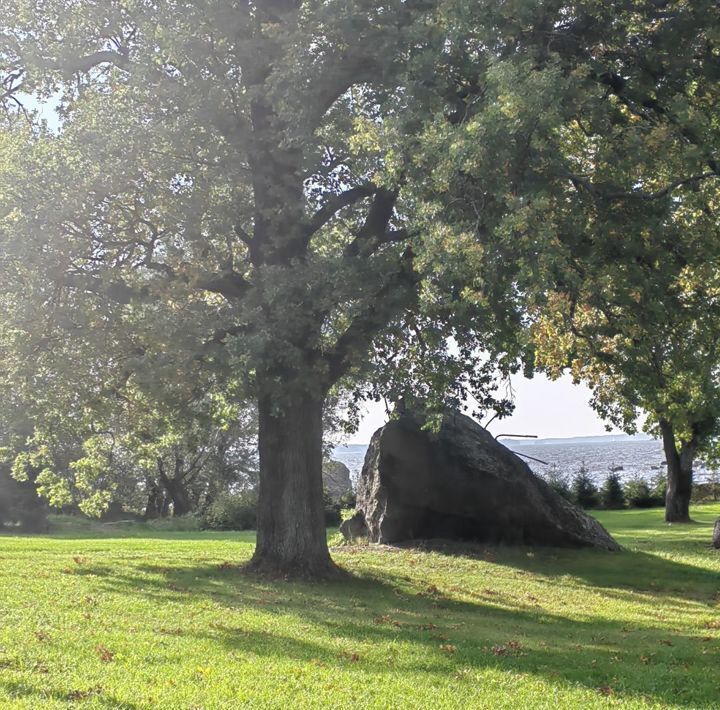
335, 203
396, 293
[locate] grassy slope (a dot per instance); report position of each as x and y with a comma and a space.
151, 620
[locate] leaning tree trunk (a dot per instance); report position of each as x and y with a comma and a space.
679, 477
291, 537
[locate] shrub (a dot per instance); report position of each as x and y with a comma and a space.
584, 491
231, 512
612, 495
20, 505
182, 523
334, 509
658, 488
558, 482
639, 494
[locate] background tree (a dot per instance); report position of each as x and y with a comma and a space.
590, 188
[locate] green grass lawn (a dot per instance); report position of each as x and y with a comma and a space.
142, 619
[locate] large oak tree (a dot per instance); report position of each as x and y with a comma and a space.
224, 191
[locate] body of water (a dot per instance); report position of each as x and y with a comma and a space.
629, 457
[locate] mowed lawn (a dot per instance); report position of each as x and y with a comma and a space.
142, 619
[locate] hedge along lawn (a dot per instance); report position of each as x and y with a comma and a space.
146, 619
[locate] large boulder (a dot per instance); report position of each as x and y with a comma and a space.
336, 479
459, 483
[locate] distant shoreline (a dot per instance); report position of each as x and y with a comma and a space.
601, 439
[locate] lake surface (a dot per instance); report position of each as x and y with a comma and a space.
630, 457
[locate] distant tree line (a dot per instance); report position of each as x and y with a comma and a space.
615, 494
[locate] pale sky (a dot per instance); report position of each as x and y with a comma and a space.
544, 408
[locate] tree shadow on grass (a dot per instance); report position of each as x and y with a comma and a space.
94, 695
346, 622
633, 570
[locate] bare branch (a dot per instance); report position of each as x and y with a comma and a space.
335, 203
229, 284
117, 291
90, 61
598, 192
374, 231
396, 293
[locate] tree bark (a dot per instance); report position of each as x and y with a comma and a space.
679, 476
175, 490
154, 502
291, 537
180, 499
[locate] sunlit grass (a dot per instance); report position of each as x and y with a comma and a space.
143, 619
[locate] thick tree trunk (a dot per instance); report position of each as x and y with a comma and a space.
291, 537
175, 490
180, 498
153, 508
679, 477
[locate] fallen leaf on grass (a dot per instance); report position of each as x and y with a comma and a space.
352, 657
79, 694
170, 632
606, 690
513, 648
106, 655
42, 636
448, 648
84, 694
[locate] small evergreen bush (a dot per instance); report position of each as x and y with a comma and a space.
584, 491
612, 495
558, 482
639, 494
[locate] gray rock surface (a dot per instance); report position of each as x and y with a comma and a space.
354, 528
336, 479
716, 535
459, 483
